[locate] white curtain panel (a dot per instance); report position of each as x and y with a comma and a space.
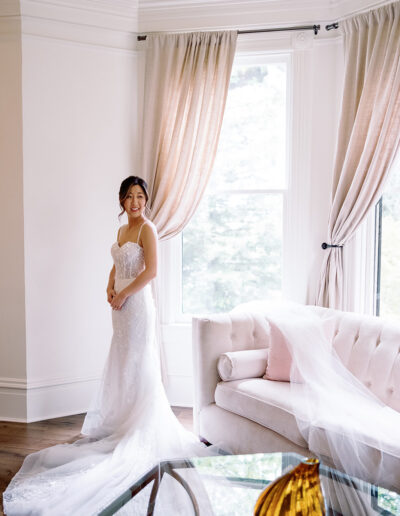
186, 85
369, 134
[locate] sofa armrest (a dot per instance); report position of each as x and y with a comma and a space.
213, 335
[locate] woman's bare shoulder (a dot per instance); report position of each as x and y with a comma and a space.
121, 229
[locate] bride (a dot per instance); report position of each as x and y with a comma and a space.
129, 294
130, 425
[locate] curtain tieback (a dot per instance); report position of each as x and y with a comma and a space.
325, 245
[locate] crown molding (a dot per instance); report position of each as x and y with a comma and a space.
337, 6
132, 16
169, 15
120, 7
74, 34
103, 23
347, 9
167, 4
9, 8
118, 15
176, 15
184, 15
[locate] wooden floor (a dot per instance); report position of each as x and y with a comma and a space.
20, 439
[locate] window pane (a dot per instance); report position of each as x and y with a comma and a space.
390, 251
232, 252
232, 247
252, 146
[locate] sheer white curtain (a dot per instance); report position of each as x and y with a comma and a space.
369, 134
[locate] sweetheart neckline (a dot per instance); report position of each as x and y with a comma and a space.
127, 242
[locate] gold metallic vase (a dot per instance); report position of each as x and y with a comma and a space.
296, 493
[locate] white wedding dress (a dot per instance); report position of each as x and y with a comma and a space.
128, 428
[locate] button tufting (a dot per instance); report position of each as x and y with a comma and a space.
367, 383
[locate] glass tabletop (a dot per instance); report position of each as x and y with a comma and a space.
229, 485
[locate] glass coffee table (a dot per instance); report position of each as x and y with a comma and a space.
229, 485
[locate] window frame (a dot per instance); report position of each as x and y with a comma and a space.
377, 256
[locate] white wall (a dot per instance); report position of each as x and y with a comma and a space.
79, 113
328, 69
12, 313
79, 96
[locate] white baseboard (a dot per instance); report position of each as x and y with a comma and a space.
13, 405
60, 400
180, 391
24, 403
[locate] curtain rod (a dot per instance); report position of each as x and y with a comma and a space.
315, 28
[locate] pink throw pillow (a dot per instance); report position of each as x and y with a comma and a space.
279, 358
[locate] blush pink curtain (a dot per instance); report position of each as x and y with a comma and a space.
186, 85
369, 133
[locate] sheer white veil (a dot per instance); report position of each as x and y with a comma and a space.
343, 422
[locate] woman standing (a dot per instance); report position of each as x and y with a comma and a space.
132, 354
130, 425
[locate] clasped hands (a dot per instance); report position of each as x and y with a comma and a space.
116, 300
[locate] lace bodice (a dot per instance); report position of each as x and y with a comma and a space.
128, 259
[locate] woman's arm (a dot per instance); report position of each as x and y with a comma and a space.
110, 287
111, 279
150, 248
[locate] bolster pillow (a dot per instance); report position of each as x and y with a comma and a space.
237, 365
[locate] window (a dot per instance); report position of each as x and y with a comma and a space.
232, 247
387, 269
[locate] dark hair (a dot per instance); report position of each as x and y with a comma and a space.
125, 187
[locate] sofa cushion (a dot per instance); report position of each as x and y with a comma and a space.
236, 365
237, 434
268, 403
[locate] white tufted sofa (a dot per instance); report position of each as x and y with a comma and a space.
239, 412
